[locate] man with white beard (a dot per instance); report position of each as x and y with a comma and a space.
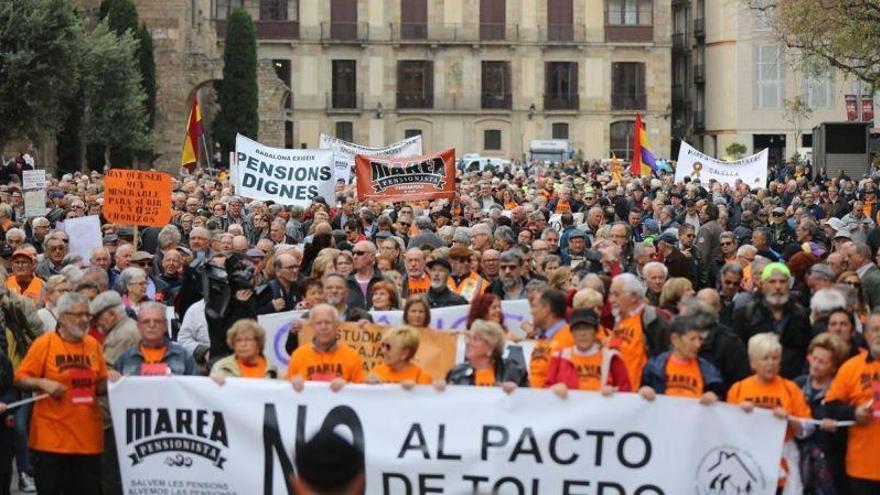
439, 295
777, 313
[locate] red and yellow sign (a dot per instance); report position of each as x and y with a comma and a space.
406, 179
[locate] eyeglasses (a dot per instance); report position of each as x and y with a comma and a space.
727, 244
143, 263
405, 225
853, 283
289, 267
82, 314
359, 253
508, 267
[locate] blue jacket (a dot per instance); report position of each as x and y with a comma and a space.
654, 375
178, 360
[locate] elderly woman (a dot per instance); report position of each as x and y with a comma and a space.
399, 346
53, 289
384, 297
344, 263
246, 339
133, 285
417, 312
484, 365
766, 389
674, 290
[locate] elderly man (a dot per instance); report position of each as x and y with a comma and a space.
858, 258
720, 345
284, 285
325, 358
40, 229
481, 237
55, 247
439, 295
837, 262
642, 254
113, 327
640, 331
100, 257
575, 254
364, 276
463, 281
677, 264
655, 275
66, 438
489, 264
511, 283
776, 312
156, 354
416, 280
552, 332
853, 396
23, 282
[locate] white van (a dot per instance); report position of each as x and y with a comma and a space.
473, 162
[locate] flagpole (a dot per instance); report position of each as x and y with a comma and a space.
205, 145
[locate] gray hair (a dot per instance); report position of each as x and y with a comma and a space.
825, 301
68, 301
510, 256
40, 221
72, 272
128, 275
732, 267
746, 250
655, 265
152, 306
481, 228
704, 315
296, 212
632, 284
168, 236
506, 233
17, 232
424, 223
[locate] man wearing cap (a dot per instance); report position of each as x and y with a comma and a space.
576, 253
781, 233
566, 220
776, 312
23, 282
857, 223
676, 263
690, 215
439, 295
114, 329
462, 280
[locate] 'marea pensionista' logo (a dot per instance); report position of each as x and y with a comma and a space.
150, 431
385, 175
729, 471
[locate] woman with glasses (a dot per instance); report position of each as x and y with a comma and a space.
133, 283
399, 347
852, 279
53, 289
260, 229
246, 339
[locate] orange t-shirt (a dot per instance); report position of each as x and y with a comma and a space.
683, 378
33, 291
563, 206
485, 377
411, 372
540, 359
589, 369
778, 393
418, 285
854, 385
153, 355
339, 362
628, 339
71, 424
252, 371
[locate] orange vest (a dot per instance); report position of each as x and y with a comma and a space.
33, 291
469, 287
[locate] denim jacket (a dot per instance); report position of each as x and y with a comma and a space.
179, 361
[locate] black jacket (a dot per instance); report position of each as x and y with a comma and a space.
794, 334
723, 349
443, 297
506, 370
355, 296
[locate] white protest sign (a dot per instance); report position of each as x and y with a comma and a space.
752, 170
240, 438
33, 179
34, 203
85, 235
344, 152
287, 177
452, 318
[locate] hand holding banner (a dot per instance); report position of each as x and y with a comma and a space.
406, 179
134, 197
752, 170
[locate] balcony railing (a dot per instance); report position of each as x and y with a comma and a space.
699, 73
700, 28
699, 121
266, 30
496, 100
626, 33
414, 100
562, 33
344, 101
454, 33
680, 42
561, 101
345, 31
630, 101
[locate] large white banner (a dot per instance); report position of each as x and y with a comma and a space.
344, 152
752, 170
287, 177
452, 318
240, 438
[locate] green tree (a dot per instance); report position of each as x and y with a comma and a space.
735, 150
844, 34
39, 42
148, 72
121, 15
237, 92
114, 115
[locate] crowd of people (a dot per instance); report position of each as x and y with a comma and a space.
762, 297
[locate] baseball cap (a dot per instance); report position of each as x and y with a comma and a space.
440, 261
27, 252
668, 238
255, 253
842, 234
583, 317
141, 256
577, 233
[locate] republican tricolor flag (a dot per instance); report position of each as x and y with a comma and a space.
194, 132
643, 163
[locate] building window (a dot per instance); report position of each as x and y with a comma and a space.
492, 19
288, 134
345, 131
273, 10
411, 133
496, 85
622, 138
767, 76
628, 86
561, 86
819, 91
560, 20
492, 139
415, 84
560, 130
630, 12
343, 19
344, 84
414, 19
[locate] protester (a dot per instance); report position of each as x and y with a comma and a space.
384, 297
246, 338
399, 347
417, 312
325, 358
484, 365
156, 355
